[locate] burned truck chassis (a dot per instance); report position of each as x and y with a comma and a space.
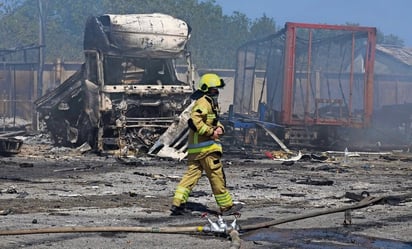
127, 92
134, 125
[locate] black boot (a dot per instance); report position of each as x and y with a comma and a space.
178, 210
234, 209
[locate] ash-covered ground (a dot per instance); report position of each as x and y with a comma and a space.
49, 187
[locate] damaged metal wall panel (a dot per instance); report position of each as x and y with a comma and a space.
17, 81
325, 85
320, 73
315, 77
392, 90
17, 84
315, 74
245, 74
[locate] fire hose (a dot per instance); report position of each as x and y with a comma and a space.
218, 227
363, 203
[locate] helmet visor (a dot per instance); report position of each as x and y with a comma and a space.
213, 91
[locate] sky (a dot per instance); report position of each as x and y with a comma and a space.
388, 16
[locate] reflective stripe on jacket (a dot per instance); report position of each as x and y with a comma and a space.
204, 121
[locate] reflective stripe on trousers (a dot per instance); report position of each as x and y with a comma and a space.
206, 146
181, 194
212, 166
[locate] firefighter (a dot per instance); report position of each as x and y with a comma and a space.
204, 148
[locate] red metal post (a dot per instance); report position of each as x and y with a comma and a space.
351, 79
290, 46
308, 72
370, 59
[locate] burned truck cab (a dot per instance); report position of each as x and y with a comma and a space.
131, 91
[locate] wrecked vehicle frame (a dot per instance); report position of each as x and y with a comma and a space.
128, 91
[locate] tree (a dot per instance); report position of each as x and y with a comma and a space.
381, 38
389, 39
214, 41
7, 6
17, 27
262, 26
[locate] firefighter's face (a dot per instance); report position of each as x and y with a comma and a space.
213, 92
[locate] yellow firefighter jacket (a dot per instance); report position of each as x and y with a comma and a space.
203, 121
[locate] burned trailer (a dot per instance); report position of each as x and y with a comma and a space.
317, 84
128, 91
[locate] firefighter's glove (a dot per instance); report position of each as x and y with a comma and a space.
217, 133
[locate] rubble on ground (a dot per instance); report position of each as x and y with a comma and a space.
45, 186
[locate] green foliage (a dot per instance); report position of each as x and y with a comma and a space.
390, 39
17, 26
64, 29
214, 41
7, 6
262, 27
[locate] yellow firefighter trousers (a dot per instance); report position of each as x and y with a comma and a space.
213, 167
